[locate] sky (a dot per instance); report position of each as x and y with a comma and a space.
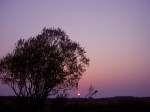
115, 34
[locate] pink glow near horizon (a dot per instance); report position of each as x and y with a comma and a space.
115, 34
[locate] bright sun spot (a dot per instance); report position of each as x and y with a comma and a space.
78, 94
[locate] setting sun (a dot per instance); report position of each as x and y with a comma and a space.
78, 94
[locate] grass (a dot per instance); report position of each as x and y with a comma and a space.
114, 104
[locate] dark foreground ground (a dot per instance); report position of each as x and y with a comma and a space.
115, 104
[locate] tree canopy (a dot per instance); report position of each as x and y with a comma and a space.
44, 64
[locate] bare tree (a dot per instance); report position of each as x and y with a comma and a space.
91, 92
43, 65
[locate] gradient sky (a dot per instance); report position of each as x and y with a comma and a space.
115, 34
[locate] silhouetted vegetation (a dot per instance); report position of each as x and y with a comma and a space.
43, 65
91, 92
115, 104
52, 64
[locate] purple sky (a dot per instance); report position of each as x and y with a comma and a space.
115, 34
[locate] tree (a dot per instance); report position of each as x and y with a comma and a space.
42, 65
91, 91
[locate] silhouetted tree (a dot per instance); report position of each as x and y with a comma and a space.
43, 65
91, 92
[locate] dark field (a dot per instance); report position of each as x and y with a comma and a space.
115, 104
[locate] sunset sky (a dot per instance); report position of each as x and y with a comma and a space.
115, 34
